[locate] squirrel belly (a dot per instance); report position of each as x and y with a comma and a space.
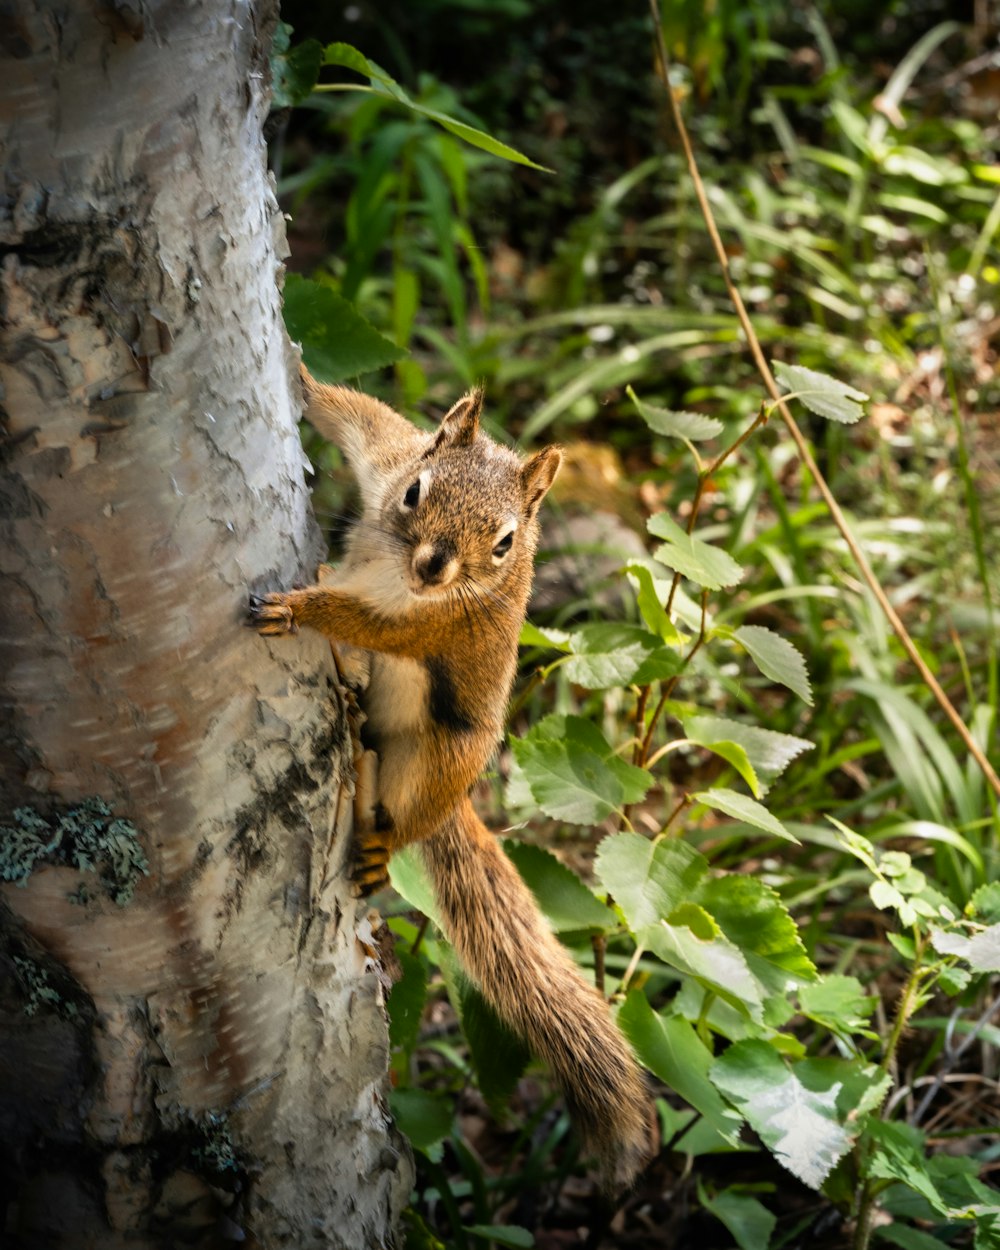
532, 983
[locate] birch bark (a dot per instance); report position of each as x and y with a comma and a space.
204, 1063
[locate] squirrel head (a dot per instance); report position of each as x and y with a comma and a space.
464, 513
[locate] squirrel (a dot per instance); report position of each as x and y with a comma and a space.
434, 585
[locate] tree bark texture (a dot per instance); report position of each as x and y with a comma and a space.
202, 1063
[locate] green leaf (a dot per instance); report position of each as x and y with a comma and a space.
691, 942
349, 57
607, 654
981, 951
498, 1056
425, 1118
694, 426
650, 608
699, 561
776, 658
820, 393
753, 917
985, 902
740, 807
294, 70
769, 753
574, 774
806, 1113
748, 1220
503, 1234
406, 1002
535, 636
410, 880
565, 901
337, 342
839, 1003
673, 1051
648, 880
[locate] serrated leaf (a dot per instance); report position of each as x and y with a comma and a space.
648, 879
838, 1003
713, 960
981, 951
820, 393
985, 902
611, 653
690, 425
694, 559
337, 342
751, 1224
573, 772
673, 1051
776, 658
807, 1113
740, 807
769, 753
565, 901
753, 917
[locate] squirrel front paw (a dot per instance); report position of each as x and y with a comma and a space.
271, 614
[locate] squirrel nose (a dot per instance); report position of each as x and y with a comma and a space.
433, 563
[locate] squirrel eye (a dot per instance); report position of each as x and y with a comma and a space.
503, 546
412, 496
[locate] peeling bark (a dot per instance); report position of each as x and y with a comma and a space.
207, 1061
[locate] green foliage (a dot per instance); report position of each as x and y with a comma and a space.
87, 837
728, 742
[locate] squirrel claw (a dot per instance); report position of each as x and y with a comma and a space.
370, 870
271, 615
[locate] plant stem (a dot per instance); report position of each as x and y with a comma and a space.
866, 1196
791, 425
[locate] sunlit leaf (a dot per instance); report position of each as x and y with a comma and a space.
691, 425
776, 658
981, 951
648, 879
699, 561
740, 807
691, 942
769, 753
650, 605
820, 393
807, 1113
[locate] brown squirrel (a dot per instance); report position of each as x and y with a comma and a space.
435, 585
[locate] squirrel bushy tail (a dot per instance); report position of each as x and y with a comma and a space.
531, 982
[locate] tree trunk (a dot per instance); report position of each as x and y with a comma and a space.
196, 1055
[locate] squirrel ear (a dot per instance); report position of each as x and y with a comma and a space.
460, 424
537, 475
